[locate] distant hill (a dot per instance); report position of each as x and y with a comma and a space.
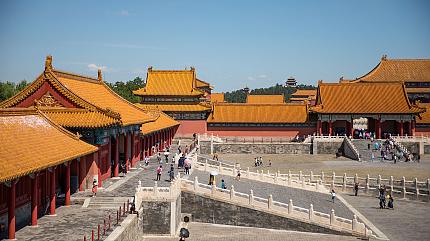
239, 96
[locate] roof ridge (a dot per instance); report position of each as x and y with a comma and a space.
80, 77
257, 104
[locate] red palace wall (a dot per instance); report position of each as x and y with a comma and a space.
261, 131
422, 131
188, 127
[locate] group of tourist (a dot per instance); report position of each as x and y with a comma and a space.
383, 197
258, 161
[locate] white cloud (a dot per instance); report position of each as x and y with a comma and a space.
95, 67
251, 78
124, 13
262, 76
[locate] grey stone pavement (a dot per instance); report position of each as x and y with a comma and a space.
301, 198
408, 221
70, 223
73, 222
216, 232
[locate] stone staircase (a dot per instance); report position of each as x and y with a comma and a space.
107, 202
365, 154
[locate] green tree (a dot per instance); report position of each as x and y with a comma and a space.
125, 90
9, 89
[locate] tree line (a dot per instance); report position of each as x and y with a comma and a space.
239, 96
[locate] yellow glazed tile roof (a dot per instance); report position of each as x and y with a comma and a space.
170, 82
83, 118
363, 98
424, 117
305, 93
404, 70
202, 84
265, 99
258, 113
163, 121
30, 142
97, 93
217, 97
175, 107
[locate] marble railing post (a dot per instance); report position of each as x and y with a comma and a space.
404, 187
247, 172
231, 192
312, 176
417, 191
354, 223
332, 217
428, 189
269, 201
196, 183
391, 185
311, 212
206, 165
367, 183
155, 189
290, 206
251, 197
322, 177
333, 178
344, 183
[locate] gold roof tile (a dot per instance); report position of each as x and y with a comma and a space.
217, 97
265, 99
170, 82
424, 118
363, 98
31, 142
305, 93
162, 122
82, 118
258, 113
199, 107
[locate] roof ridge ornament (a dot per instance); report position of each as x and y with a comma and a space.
149, 68
384, 57
48, 63
99, 75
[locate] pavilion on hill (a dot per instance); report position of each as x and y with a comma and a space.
179, 94
385, 105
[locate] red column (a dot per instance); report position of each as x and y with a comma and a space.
126, 151
99, 166
352, 128
11, 209
67, 201
413, 128
53, 196
401, 128
330, 127
34, 199
378, 129
116, 160
82, 172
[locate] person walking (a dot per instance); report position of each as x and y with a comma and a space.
333, 195
356, 188
390, 202
172, 172
187, 168
238, 175
159, 170
94, 189
223, 186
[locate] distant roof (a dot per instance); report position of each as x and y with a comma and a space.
363, 98
202, 84
31, 142
217, 97
300, 92
75, 117
193, 107
403, 70
163, 121
170, 83
258, 113
265, 99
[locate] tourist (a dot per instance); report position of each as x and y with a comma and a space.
215, 157
160, 161
356, 186
256, 162
159, 170
186, 149
390, 202
166, 155
372, 156
333, 195
146, 161
172, 172
94, 190
223, 186
187, 168
179, 150
382, 197
270, 163
238, 175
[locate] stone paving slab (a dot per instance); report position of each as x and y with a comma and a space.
408, 220
216, 232
70, 223
301, 198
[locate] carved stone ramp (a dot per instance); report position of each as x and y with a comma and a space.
213, 205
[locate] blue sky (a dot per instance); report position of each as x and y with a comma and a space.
232, 44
